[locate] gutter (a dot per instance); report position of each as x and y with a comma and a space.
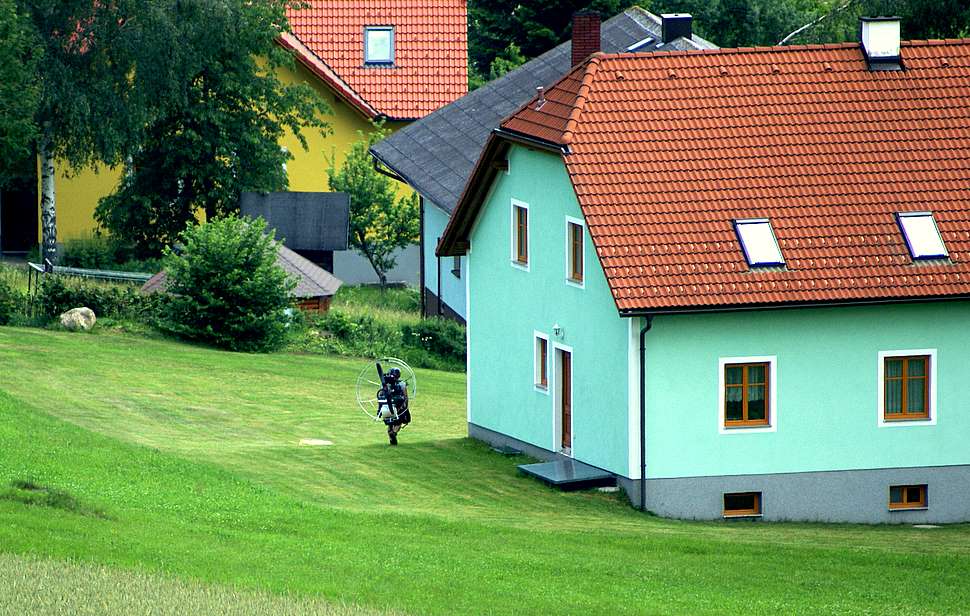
643, 412
531, 141
648, 312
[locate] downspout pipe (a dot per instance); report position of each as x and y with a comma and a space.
643, 411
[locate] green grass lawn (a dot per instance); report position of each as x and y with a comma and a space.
169, 460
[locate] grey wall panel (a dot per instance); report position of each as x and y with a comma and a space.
352, 268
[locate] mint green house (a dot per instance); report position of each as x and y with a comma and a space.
737, 280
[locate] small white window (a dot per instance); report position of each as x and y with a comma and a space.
758, 242
922, 236
379, 45
541, 362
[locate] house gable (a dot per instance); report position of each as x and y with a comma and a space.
509, 305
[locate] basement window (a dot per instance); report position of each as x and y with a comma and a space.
379, 45
922, 235
742, 504
907, 497
758, 242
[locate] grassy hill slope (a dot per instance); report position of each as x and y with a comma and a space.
178, 460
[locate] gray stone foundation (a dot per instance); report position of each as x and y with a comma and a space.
858, 496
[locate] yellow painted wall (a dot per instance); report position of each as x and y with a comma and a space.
78, 196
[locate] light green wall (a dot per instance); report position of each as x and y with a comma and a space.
508, 304
826, 390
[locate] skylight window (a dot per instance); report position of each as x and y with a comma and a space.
379, 45
922, 236
758, 242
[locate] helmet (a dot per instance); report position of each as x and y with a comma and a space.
394, 373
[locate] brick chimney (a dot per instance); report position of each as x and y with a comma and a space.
586, 35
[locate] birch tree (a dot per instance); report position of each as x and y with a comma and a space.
104, 71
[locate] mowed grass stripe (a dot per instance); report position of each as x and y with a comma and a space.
438, 525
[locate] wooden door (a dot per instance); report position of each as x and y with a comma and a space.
566, 395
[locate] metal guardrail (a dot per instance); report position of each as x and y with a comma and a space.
92, 273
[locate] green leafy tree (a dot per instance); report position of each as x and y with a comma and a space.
221, 137
19, 91
103, 71
379, 223
225, 288
534, 26
510, 59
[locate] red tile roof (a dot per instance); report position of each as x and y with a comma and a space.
431, 51
666, 150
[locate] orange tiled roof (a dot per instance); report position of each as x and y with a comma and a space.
666, 150
431, 51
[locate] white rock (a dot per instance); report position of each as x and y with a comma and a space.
78, 319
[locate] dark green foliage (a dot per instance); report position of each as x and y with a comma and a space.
11, 303
509, 59
435, 343
739, 23
221, 136
534, 27
379, 223
58, 294
19, 91
442, 337
106, 253
225, 288
30, 493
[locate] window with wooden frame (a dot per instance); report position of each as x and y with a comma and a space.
740, 504
541, 362
907, 497
520, 233
746, 394
574, 250
906, 388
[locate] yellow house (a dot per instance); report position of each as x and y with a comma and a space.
392, 60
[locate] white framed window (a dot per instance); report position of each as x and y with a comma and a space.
540, 362
922, 236
747, 400
906, 388
379, 44
575, 252
520, 234
758, 242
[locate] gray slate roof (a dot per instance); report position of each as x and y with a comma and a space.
311, 279
436, 154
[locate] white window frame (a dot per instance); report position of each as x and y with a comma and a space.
513, 227
368, 30
772, 361
901, 216
582, 283
744, 247
881, 393
536, 336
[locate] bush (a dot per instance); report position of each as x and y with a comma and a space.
225, 287
58, 294
12, 303
442, 337
106, 254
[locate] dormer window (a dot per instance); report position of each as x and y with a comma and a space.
922, 236
379, 45
758, 242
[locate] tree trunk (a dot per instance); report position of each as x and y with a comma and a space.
48, 208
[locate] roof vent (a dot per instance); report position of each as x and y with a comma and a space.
540, 97
676, 25
879, 37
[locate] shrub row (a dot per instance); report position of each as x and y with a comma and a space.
58, 294
106, 254
432, 343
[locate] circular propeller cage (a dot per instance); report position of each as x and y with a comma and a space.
368, 383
